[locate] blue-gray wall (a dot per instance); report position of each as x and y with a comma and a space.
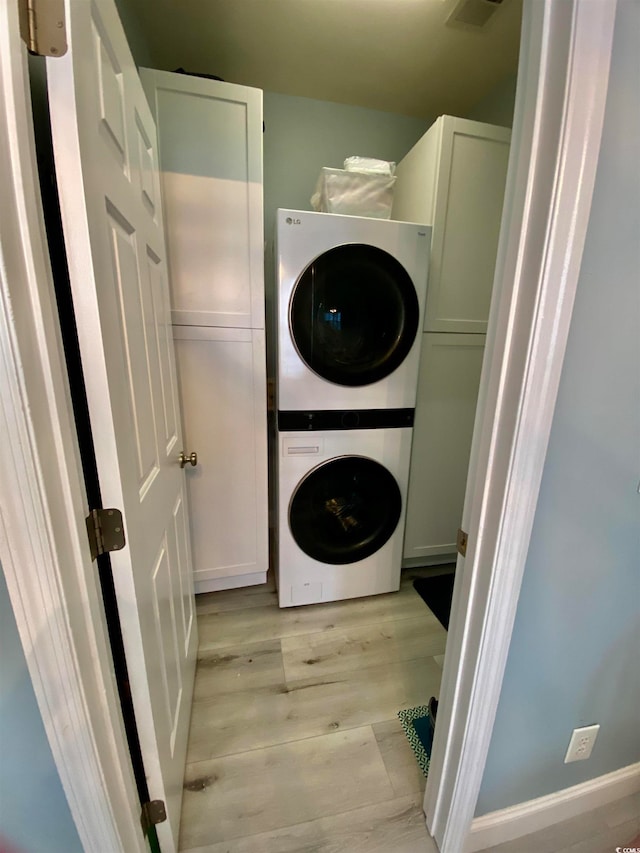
574, 654
138, 43
302, 135
497, 106
34, 814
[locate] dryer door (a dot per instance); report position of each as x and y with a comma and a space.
354, 314
345, 510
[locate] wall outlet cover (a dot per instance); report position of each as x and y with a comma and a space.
581, 743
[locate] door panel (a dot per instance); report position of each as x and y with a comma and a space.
162, 576
165, 355
468, 210
106, 164
131, 304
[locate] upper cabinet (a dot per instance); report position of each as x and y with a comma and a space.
454, 180
210, 154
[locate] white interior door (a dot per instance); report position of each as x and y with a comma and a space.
105, 152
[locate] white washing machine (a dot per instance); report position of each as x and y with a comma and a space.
350, 303
341, 508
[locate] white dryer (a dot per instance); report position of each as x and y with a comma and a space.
350, 302
341, 509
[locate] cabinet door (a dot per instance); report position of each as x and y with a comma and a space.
222, 380
210, 154
448, 384
416, 175
466, 225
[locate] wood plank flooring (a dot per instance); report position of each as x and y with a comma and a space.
295, 744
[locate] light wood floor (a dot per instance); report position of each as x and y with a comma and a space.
295, 744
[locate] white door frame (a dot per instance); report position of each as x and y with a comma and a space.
52, 582
562, 85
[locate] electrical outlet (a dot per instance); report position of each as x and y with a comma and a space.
581, 743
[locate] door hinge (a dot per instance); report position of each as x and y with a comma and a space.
462, 542
42, 26
152, 813
105, 531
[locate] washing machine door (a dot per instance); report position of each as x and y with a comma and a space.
354, 314
345, 510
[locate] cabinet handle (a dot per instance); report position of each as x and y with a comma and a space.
192, 458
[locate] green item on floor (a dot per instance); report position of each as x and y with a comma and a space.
418, 729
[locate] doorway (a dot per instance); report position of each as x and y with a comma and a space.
520, 177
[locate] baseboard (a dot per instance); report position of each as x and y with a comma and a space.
233, 582
432, 560
514, 822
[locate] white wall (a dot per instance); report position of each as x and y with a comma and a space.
574, 654
34, 814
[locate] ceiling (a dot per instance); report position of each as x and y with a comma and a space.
392, 55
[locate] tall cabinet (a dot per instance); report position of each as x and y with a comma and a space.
210, 156
452, 179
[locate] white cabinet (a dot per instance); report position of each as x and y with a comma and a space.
450, 366
210, 156
454, 179
225, 412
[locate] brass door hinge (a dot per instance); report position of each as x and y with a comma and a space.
105, 531
462, 542
152, 813
42, 26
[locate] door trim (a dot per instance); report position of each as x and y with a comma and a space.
50, 578
53, 585
563, 77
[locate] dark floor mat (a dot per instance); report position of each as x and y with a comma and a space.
436, 593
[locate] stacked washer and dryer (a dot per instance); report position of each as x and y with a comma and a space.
350, 303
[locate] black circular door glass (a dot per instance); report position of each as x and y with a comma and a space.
354, 314
345, 510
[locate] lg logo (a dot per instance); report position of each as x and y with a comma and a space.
291, 221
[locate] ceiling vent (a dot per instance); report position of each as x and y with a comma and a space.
473, 13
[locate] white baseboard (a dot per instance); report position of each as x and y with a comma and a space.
233, 582
514, 822
440, 559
